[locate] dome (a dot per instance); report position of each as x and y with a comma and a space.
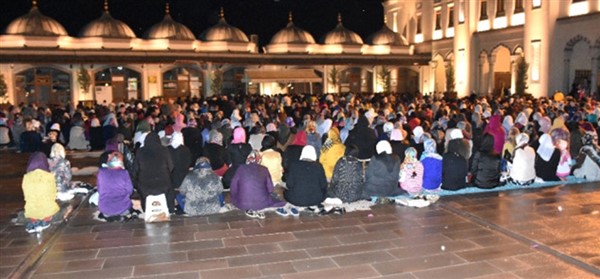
341, 35
108, 27
223, 32
292, 35
385, 36
36, 24
169, 29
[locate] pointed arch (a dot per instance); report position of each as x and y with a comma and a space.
498, 47
517, 50
575, 40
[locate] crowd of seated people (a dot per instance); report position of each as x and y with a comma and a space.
294, 151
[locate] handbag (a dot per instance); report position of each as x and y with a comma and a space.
156, 209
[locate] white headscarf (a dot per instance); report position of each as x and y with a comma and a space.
546, 148
507, 123
383, 147
456, 134
522, 119
324, 127
308, 153
176, 139
418, 134
396, 135
57, 151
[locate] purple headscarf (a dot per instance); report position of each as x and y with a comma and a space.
38, 160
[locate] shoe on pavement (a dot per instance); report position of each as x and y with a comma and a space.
30, 227
282, 211
294, 212
42, 225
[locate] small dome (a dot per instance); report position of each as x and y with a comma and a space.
35, 23
292, 35
107, 27
341, 35
169, 29
223, 32
386, 36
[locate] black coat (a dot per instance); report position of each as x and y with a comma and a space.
182, 161
96, 138
486, 170
152, 170
454, 171
347, 180
381, 177
216, 154
398, 148
363, 137
238, 153
546, 170
306, 184
192, 138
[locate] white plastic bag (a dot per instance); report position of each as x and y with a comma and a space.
156, 209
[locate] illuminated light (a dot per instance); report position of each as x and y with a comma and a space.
500, 22
120, 68
437, 34
483, 25
418, 38
450, 32
536, 3
518, 19
579, 8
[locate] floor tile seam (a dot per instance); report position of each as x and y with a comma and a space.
523, 240
459, 265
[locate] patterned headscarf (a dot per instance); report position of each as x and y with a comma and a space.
333, 137
215, 137
57, 151
254, 157
410, 157
430, 149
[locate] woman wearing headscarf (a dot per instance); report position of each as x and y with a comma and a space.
110, 127
363, 137
294, 150
523, 170
216, 153
432, 166
192, 138
39, 192
382, 174
547, 159
347, 180
114, 189
560, 137
455, 165
588, 160
60, 168
411, 173
182, 159
306, 181
313, 138
252, 187
201, 191
152, 170
271, 159
507, 123
77, 139
141, 131
494, 128
486, 164
30, 140
331, 151
418, 136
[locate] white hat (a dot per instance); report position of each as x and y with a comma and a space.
383, 147
456, 134
55, 127
308, 153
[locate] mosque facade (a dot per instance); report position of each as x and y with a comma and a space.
420, 41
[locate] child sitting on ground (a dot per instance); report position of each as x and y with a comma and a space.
411, 173
39, 191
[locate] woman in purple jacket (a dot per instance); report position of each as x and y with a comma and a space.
252, 188
114, 189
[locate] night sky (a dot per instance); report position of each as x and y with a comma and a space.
262, 17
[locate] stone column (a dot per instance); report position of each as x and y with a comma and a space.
207, 76
513, 73
566, 75
479, 77
433, 65
491, 60
593, 6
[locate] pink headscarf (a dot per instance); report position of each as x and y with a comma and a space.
239, 136
495, 129
178, 123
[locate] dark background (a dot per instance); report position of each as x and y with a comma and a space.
262, 17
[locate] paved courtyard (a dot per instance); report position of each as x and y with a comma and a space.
528, 233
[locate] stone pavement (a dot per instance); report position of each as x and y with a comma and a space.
528, 233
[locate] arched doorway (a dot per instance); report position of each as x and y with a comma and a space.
580, 68
182, 82
44, 85
501, 71
408, 81
117, 84
351, 80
